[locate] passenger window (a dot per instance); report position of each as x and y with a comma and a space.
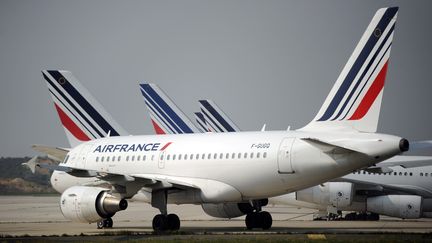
421, 174
152, 158
258, 155
161, 157
144, 157
191, 157
185, 156
108, 158
400, 173
215, 156
227, 156
113, 158
168, 156
221, 156
133, 157
233, 156
251, 155
426, 174
265, 155
411, 174
245, 155
239, 155
406, 173
119, 158
209, 156
138, 157
395, 173
97, 159
102, 159
174, 156
127, 158
180, 156
203, 156
197, 156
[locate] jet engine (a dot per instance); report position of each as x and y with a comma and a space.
227, 210
336, 194
89, 204
400, 206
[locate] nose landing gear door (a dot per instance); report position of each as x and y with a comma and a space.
284, 156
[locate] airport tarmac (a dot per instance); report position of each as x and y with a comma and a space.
41, 216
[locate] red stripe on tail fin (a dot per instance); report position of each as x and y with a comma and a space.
70, 125
371, 95
157, 128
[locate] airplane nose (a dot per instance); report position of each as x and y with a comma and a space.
404, 145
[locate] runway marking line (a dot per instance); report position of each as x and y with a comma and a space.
316, 237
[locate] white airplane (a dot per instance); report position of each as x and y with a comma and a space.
202, 168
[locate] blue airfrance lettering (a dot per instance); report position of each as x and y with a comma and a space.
127, 148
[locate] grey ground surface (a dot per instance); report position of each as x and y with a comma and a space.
37, 216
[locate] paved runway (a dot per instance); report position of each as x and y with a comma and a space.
36, 216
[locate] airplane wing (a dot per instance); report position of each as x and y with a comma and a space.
56, 152
406, 161
372, 187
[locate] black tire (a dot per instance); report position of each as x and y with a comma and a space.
159, 223
100, 224
109, 223
265, 219
173, 222
252, 220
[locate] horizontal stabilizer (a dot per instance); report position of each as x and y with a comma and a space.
332, 147
56, 152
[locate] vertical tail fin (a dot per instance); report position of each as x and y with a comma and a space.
216, 119
166, 117
355, 99
200, 120
81, 115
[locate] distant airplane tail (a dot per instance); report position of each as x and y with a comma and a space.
166, 117
200, 120
355, 100
82, 116
215, 118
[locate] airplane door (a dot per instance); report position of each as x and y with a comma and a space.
83, 156
161, 162
284, 156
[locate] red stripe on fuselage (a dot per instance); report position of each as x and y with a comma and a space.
157, 128
371, 95
70, 125
166, 146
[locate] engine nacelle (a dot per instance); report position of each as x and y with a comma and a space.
400, 206
336, 194
227, 210
89, 204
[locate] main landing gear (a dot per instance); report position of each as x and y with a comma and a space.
105, 223
258, 218
163, 221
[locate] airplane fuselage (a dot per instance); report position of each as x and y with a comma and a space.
234, 166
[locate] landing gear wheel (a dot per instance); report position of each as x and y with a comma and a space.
159, 223
261, 220
105, 223
251, 220
108, 223
100, 224
265, 220
173, 222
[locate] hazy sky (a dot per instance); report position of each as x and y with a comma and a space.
268, 62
